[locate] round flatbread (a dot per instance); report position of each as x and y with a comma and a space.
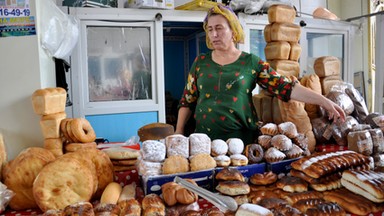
63, 182
104, 167
20, 174
88, 163
118, 153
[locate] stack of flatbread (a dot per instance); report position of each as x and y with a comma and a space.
123, 159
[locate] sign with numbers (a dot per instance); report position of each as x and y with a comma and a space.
14, 8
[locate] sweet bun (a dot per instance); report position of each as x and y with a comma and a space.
238, 160
269, 129
130, 207
153, 150
264, 141
199, 143
229, 174
288, 129
202, 161
219, 147
294, 152
235, 146
265, 178
175, 164
78, 208
222, 160
274, 155
177, 144
233, 188
281, 142
153, 200
110, 209
169, 190
292, 184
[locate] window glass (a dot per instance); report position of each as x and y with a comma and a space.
257, 43
324, 44
119, 66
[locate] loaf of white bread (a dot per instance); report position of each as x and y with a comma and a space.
282, 32
49, 101
50, 124
327, 66
281, 13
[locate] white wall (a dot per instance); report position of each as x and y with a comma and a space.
24, 68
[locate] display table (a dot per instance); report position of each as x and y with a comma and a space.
129, 177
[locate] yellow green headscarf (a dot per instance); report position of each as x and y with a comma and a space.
234, 23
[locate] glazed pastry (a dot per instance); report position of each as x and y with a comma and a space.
254, 153
264, 141
288, 129
274, 155
269, 129
294, 152
281, 142
230, 174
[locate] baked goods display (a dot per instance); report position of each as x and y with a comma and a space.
122, 158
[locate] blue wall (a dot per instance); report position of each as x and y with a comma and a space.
120, 127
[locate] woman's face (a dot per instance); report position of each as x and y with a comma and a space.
219, 32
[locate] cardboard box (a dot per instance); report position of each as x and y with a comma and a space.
204, 179
281, 166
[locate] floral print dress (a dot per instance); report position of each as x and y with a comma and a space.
221, 95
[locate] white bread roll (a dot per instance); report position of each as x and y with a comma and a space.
327, 66
50, 125
282, 32
281, 13
49, 101
248, 209
286, 67
111, 193
277, 50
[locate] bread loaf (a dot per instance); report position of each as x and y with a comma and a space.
55, 145
3, 155
361, 142
277, 50
257, 103
286, 67
327, 66
155, 131
313, 83
295, 52
276, 113
281, 13
282, 32
50, 124
267, 109
49, 101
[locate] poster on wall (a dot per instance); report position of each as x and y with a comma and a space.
15, 19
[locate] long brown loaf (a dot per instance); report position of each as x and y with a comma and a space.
321, 164
350, 201
155, 131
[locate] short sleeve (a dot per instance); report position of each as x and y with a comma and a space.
273, 82
190, 92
